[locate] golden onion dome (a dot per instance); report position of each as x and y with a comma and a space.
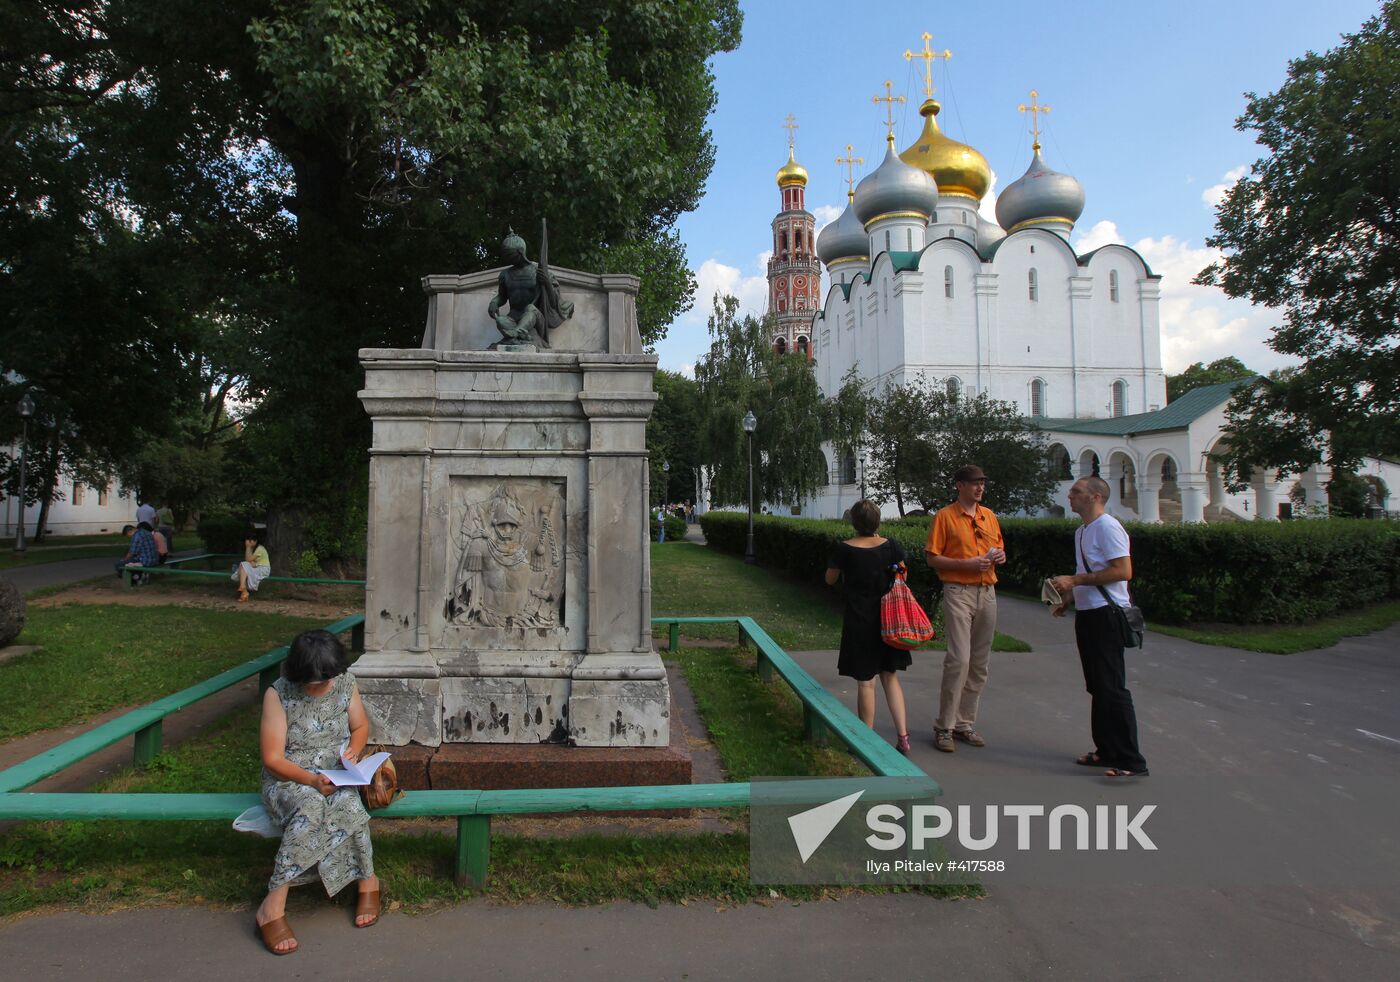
955, 167
792, 173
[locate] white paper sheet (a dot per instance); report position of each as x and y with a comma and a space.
355, 775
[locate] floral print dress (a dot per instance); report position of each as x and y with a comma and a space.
321, 835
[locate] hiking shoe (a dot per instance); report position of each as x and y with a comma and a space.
943, 740
970, 737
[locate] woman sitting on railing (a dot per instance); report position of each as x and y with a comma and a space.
309, 716
255, 566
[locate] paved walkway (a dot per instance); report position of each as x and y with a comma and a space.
41, 575
1207, 713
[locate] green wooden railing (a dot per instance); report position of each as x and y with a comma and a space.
824, 717
173, 568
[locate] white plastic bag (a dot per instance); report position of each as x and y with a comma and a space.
257, 821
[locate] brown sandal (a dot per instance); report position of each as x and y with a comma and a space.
274, 932
367, 903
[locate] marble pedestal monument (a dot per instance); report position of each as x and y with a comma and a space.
508, 587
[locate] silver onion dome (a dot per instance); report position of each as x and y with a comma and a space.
844, 238
1040, 195
988, 234
893, 188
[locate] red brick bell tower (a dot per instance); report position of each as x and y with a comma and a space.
794, 272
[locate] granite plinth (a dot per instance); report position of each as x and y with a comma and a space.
499, 766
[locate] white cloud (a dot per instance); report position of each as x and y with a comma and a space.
1102, 234
988, 208
1199, 323
716, 277
1214, 194
687, 336
825, 215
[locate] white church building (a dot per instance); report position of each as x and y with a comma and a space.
921, 286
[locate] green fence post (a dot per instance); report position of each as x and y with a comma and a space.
812, 726
357, 637
675, 638
473, 850
147, 743
266, 677
765, 667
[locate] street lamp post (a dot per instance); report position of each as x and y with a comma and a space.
26, 409
666, 485
750, 424
862, 476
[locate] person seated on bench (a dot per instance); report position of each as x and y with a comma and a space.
308, 716
255, 566
141, 552
162, 546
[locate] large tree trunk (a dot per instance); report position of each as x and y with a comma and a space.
50, 472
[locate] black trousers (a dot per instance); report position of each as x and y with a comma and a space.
1111, 717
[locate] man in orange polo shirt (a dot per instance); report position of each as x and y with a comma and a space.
965, 547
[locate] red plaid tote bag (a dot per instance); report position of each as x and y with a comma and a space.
903, 623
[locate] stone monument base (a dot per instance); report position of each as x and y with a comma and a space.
498, 766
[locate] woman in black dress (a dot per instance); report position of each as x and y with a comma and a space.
867, 564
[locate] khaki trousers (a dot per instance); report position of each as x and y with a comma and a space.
969, 622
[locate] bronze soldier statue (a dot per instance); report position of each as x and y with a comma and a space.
532, 292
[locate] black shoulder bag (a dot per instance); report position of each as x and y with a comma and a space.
1131, 623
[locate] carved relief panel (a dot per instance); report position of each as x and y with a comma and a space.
506, 555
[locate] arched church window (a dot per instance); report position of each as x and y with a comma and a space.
948, 282
1113, 285
887, 240
848, 469
780, 346
1120, 398
953, 387
909, 239
802, 345
1033, 285
1037, 397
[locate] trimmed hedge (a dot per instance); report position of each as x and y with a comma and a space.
1236, 572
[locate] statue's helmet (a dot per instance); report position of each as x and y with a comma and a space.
513, 243
504, 509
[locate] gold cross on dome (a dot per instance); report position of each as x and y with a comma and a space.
928, 55
889, 101
1035, 109
790, 124
849, 162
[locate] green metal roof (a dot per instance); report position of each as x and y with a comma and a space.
1176, 415
904, 261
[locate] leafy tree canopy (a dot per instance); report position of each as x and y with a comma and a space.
741, 374
1200, 374
1314, 230
920, 436
671, 438
290, 170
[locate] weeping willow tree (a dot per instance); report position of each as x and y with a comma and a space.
742, 374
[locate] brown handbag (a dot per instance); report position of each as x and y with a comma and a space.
383, 789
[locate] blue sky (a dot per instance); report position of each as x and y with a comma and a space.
1144, 97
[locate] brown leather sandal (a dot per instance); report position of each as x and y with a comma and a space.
367, 903
274, 932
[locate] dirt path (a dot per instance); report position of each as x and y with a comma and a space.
307, 605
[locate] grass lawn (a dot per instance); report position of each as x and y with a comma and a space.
1286, 639
96, 658
106, 865
689, 580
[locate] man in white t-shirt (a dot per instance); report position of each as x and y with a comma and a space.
1103, 567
